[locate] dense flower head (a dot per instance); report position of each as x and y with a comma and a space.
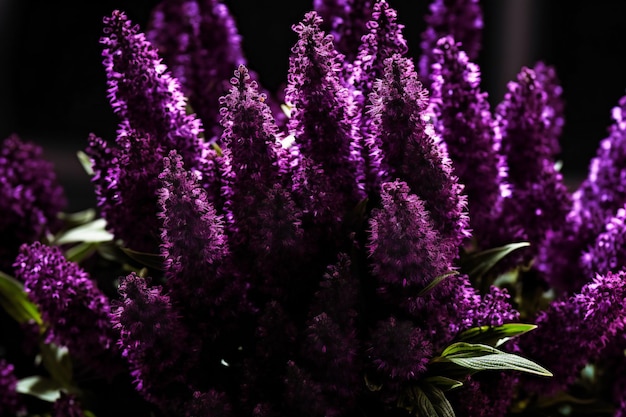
126, 184
31, 197
154, 341
525, 119
588, 320
555, 110
10, 402
461, 19
596, 200
323, 115
144, 94
383, 39
486, 394
346, 21
412, 152
194, 246
533, 210
608, 252
70, 303
403, 246
200, 43
467, 127
399, 350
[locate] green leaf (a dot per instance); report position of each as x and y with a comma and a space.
429, 401
56, 360
443, 382
14, 301
79, 217
478, 264
434, 283
85, 161
482, 357
495, 336
500, 361
80, 252
93, 232
151, 260
41, 387
463, 350
439, 401
217, 149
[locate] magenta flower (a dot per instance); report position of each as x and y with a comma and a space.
595, 201
404, 249
144, 94
608, 252
155, 343
67, 406
465, 124
461, 19
346, 21
587, 321
412, 153
198, 40
31, 197
10, 402
323, 122
77, 312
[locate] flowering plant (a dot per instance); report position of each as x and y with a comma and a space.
374, 240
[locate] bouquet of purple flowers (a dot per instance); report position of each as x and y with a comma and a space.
374, 240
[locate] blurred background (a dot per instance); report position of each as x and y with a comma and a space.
53, 92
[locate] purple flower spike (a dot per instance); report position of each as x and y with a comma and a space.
461, 19
410, 150
323, 118
598, 311
399, 350
597, 199
194, 247
144, 94
383, 40
465, 124
200, 44
534, 209
404, 249
76, 310
486, 394
347, 21
154, 341
10, 402
555, 110
608, 253
31, 197
525, 119
126, 184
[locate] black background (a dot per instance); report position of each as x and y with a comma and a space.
52, 85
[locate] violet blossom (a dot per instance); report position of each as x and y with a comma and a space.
412, 153
608, 252
31, 200
67, 406
596, 200
461, 19
346, 21
467, 127
200, 43
10, 401
324, 126
587, 320
73, 307
155, 343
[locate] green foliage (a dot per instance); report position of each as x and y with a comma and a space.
495, 336
14, 301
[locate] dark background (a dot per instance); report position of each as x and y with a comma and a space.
52, 85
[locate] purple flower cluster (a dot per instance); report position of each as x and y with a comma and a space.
31, 197
587, 321
75, 311
10, 402
321, 264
